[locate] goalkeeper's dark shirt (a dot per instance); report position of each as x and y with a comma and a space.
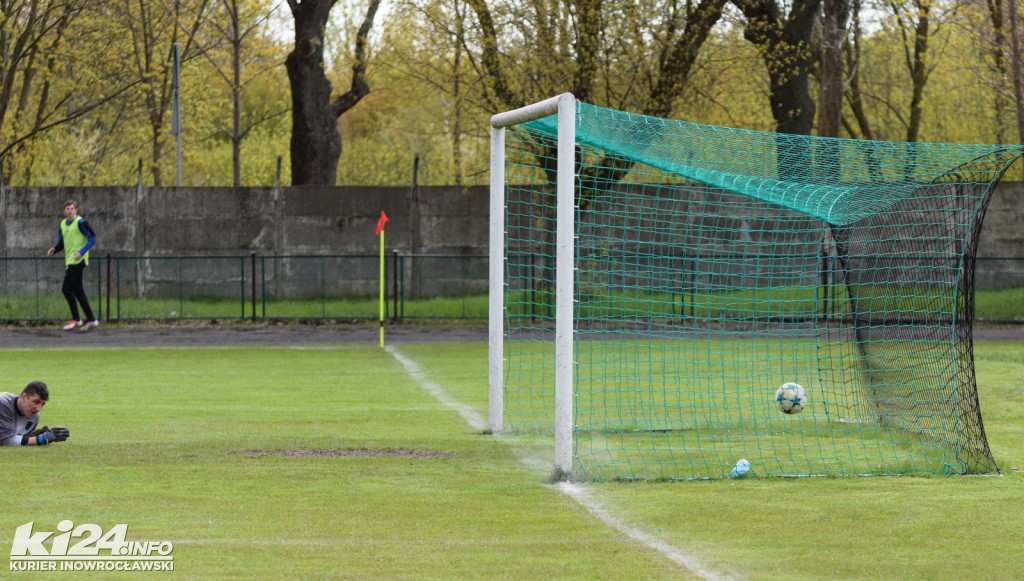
13, 425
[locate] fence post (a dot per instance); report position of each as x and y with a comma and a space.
253, 262
263, 285
99, 288
394, 286
823, 272
241, 287
533, 287
681, 269
108, 312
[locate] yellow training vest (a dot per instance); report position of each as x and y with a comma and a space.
74, 241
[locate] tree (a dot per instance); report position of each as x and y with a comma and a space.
833, 48
679, 52
916, 23
855, 95
237, 31
913, 26
578, 45
786, 47
1006, 54
601, 45
152, 29
998, 48
40, 86
1017, 67
315, 142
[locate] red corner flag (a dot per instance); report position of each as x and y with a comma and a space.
380, 223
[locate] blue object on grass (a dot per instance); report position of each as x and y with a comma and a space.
742, 467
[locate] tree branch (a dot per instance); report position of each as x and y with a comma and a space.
490, 57
360, 88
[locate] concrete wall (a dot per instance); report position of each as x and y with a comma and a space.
1003, 231
287, 221
161, 222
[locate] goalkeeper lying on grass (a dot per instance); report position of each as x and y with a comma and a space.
19, 415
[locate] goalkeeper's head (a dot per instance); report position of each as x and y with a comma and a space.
33, 398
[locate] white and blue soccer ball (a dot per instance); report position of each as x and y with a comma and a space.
791, 398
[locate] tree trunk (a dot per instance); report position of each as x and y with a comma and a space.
1017, 66
1000, 106
837, 17
677, 62
919, 71
588, 46
460, 37
236, 96
315, 141
499, 93
785, 44
855, 96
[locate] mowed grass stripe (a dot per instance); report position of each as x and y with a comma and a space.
173, 441
957, 527
574, 491
373, 517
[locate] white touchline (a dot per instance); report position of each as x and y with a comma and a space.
573, 491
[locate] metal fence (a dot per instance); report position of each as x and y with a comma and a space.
325, 287
329, 287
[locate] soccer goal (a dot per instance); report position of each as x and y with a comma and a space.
653, 283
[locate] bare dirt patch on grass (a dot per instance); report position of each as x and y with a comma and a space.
353, 453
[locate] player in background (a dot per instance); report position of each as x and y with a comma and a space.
19, 415
75, 237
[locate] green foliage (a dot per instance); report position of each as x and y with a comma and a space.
107, 86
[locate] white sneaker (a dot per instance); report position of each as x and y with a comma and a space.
90, 325
72, 325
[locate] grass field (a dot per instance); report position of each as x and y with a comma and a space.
1005, 305
689, 409
334, 462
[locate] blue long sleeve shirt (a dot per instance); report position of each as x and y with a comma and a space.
86, 229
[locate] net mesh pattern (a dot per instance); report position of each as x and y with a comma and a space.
714, 264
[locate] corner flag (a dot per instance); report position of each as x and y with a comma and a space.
380, 232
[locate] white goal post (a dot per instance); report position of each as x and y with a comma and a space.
564, 106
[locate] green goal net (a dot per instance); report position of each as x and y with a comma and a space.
707, 267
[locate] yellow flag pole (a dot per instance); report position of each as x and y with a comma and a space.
382, 288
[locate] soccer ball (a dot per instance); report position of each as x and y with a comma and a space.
791, 398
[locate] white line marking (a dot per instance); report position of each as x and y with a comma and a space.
574, 491
583, 496
474, 419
